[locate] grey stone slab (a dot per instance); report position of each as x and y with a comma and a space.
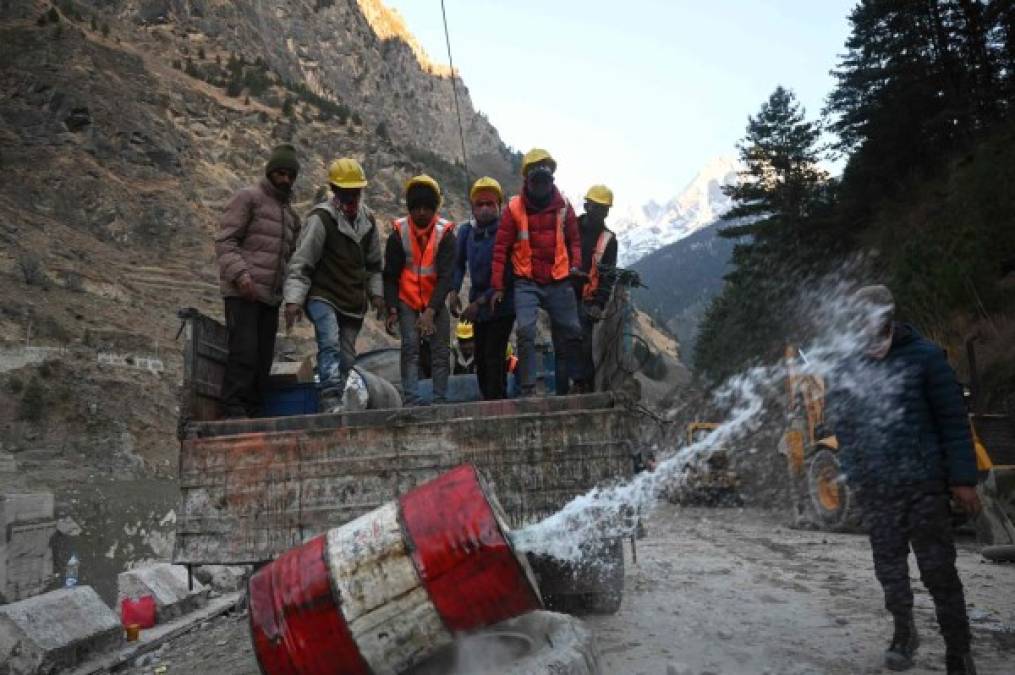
25, 507
56, 631
168, 584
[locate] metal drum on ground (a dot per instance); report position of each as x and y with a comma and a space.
382, 592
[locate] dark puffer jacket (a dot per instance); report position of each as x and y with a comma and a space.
257, 234
903, 420
542, 239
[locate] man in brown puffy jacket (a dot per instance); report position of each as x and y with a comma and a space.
257, 234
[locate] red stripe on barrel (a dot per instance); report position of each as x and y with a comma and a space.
294, 622
461, 554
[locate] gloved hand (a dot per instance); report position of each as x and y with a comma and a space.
378, 304
293, 313
425, 323
245, 284
593, 311
967, 499
391, 323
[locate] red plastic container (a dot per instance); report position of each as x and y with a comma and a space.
140, 611
380, 593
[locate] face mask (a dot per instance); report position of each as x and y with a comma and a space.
485, 212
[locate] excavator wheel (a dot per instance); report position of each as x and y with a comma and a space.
830, 497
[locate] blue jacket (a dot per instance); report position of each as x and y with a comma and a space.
902, 419
475, 253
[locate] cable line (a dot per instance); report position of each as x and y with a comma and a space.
458, 109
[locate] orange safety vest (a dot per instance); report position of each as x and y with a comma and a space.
419, 274
605, 237
521, 252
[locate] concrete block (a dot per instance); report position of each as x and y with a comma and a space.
28, 560
56, 631
223, 578
167, 584
26, 557
25, 507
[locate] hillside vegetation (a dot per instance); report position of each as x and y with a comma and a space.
923, 113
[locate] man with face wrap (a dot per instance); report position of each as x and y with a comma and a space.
491, 324
335, 275
538, 234
256, 236
906, 450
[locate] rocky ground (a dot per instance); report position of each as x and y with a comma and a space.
725, 591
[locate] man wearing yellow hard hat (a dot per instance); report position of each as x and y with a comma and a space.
463, 351
418, 263
599, 262
491, 324
335, 276
538, 238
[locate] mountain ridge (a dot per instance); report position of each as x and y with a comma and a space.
700, 203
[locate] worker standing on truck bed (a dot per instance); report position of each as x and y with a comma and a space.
256, 236
463, 350
538, 235
419, 262
491, 324
907, 451
335, 274
599, 260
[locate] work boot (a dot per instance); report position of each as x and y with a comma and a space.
959, 663
899, 656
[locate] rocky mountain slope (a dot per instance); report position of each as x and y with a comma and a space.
126, 126
698, 205
682, 278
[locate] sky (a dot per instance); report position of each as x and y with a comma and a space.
636, 94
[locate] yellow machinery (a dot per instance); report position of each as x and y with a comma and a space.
708, 480
820, 497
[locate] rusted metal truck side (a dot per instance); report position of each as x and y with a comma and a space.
251, 489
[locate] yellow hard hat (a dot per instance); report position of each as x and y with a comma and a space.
486, 183
600, 194
536, 156
426, 180
463, 331
347, 173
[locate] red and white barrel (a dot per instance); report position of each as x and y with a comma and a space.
382, 592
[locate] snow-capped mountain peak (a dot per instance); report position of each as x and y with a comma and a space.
652, 226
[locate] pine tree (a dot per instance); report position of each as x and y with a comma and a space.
776, 204
917, 83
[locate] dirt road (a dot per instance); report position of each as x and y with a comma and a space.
729, 591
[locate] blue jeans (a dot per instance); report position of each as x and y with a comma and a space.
557, 299
336, 346
440, 354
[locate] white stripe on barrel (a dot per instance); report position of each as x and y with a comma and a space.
386, 608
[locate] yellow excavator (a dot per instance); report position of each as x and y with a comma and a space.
821, 500
708, 480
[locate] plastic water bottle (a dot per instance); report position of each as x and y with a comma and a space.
70, 578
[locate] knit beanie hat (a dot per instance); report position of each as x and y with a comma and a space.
283, 157
421, 195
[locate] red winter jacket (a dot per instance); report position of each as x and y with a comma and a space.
542, 237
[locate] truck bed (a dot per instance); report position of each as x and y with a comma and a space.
251, 489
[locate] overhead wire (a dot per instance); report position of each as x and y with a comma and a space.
458, 108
